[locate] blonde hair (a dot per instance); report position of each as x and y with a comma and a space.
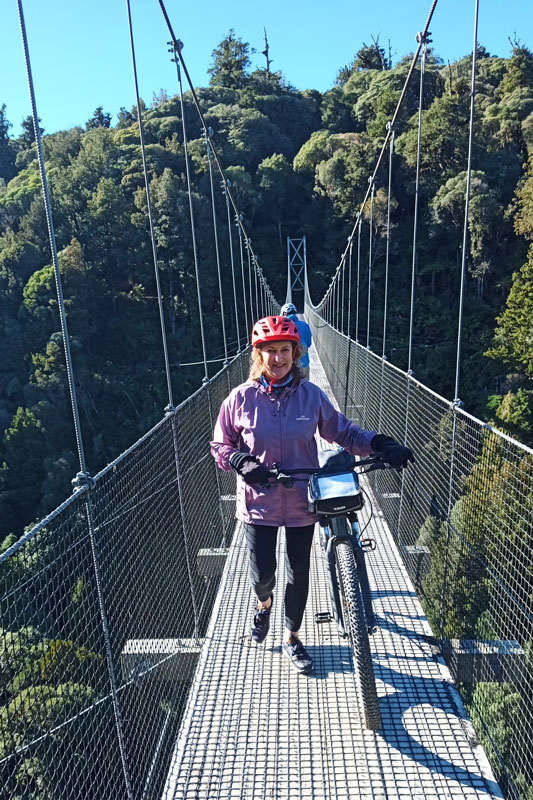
257, 366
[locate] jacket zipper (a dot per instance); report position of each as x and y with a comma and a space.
283, 498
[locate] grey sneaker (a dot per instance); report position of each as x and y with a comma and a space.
298, 656
261, 623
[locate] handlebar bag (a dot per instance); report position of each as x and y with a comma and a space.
334, 495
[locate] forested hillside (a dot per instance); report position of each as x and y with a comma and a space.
299, 163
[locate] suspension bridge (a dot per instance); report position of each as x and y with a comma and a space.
141, 573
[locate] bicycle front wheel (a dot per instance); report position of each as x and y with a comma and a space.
356, 627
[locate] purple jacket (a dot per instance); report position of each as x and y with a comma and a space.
283, 430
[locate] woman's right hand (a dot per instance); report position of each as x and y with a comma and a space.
251, 471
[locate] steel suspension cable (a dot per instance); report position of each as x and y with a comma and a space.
217, 252
387, 250
53, 248
232, 262
177, 47
399, 104
350, 288
247, 246
358, 277
150, 212
337, 298
191, 213
82, 479
467, 203
243, 280
371, 228
417, 196
342, 300
256, 292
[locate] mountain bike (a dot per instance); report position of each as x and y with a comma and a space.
335, 496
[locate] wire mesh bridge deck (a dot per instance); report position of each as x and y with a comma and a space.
253, 728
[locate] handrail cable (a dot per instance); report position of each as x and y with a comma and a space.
215, 233
467, 202
150, 210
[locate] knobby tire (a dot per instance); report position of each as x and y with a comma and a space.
356, 628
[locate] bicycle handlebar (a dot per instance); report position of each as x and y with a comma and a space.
285, 476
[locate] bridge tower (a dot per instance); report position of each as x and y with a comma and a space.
297, 263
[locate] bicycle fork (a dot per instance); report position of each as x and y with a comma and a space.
362, 575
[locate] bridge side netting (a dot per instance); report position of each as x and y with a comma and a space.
156, 510
462, 520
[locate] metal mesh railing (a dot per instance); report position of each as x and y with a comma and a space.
103, 607
462, 520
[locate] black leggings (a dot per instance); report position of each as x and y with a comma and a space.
261, 541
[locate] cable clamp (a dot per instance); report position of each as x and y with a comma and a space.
83, 479
170, 410
411, 373
457, 403
422, 38
206, 380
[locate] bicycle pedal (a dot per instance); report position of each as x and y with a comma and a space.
368, 544
323, 616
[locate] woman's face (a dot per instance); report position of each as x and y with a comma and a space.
277, 359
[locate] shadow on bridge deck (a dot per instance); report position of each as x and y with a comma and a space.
255, 730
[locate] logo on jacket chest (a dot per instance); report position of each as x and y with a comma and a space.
302, 418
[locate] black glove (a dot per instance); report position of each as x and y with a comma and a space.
395, 454
251, 471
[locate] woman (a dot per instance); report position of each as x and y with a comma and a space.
270, 418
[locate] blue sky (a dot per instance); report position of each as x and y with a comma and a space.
81, 55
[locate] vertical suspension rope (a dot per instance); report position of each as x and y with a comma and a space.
176, 47
358, 279
82, 478
386, 291
337, 298
253, 315
342, 299
243, 280
217, 252
420, 38
150, 211
386, 295
256, 279
232, 262
53, 248
467, 203
457, 402
370, 263
350, 287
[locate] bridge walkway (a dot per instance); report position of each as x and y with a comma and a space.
253, 729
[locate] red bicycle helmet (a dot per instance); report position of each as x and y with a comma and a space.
274, 329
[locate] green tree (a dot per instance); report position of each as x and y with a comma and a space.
230, 61
7, 150
99, 119
27, 137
